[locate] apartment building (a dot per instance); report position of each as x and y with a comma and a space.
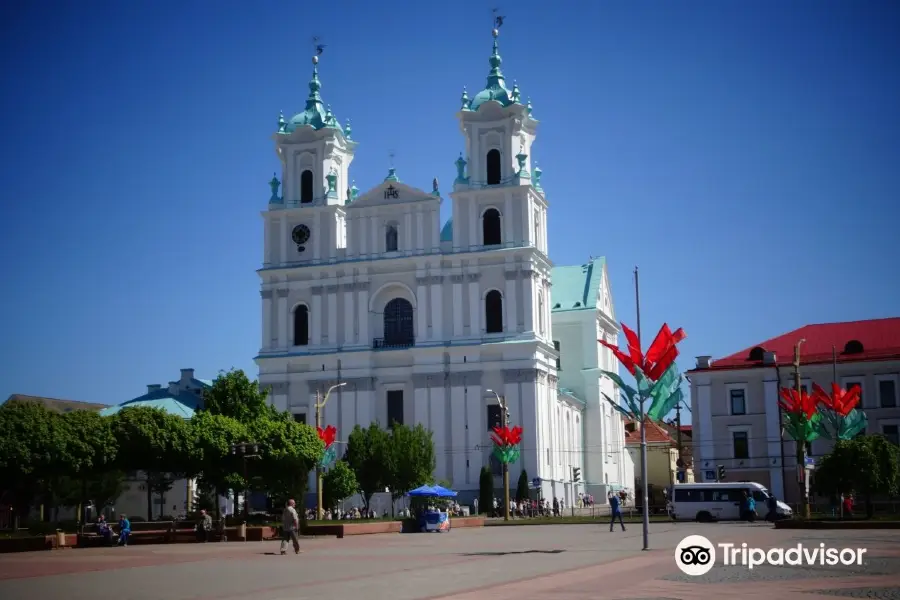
736, 420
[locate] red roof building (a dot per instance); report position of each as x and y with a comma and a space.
851, 341
734, 400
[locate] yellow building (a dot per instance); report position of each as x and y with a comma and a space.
662, 460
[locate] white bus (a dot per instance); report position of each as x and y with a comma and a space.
719, 501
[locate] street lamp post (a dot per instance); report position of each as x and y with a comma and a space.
504, 420
246, 450
803, 476
319, 407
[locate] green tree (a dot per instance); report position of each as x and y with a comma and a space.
411, 459
339, 482
32, 440
235, 395
485, 491
288, 451
157, 443
522, 490
213, 437
368, 454
90, 453
868, 465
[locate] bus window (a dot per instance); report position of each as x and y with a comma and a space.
760, 496
726, 495
692, 495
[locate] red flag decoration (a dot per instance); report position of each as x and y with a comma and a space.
506, 436
840, 401
660, 355
797, 403
327, 435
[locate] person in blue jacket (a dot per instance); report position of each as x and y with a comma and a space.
124, 530
615, 511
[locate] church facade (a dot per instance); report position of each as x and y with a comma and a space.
437, 325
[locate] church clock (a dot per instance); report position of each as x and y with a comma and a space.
300, 235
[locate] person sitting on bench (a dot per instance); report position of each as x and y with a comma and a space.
124, 530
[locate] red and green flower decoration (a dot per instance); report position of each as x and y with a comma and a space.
506, 443
656, 373
327, 436
801, 419
839, 410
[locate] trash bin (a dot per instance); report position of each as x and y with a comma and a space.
242, 531
60, 538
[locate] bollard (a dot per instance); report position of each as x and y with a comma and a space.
60, 538
242, 531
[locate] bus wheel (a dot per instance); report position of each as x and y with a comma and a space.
704, 517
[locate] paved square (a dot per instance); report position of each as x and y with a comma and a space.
563, 562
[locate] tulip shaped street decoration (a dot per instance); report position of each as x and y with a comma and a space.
801, 419
327, 436
839, 410
656, 373
506, 443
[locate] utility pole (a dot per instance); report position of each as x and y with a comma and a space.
504, 423
803, 476
642, 417
680, 462
319, 407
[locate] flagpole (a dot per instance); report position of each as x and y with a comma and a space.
641, 424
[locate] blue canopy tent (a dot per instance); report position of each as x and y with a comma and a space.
443, 492
422, 492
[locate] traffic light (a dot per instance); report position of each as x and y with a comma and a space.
576, 474
720, 475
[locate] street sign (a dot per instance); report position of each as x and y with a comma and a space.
536, 482
810, 461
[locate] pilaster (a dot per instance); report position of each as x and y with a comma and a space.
284, 318
437, 308
266, 341
512, 317
316, 316
475, 305
332, 315
457, 305
421, 308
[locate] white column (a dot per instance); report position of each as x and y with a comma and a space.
267, 319
421, 312
319, 239
348, 411
548, 317
332, 319
457, 309
531, 421
364, 337
476, 419
420, 408
509, 236
458, 433
420, 238
408, 242
358, 233
473, 224
438, 427
475, 309
528, 220
349, 315
511, 322
284, 240
437, 312
373, 229
316, 318
284, 318
528, 299
365, 401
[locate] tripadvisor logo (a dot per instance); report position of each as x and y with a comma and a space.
695, 555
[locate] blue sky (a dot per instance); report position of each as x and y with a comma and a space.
743, 154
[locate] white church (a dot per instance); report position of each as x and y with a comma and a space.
429, 324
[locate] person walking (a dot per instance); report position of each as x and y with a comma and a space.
290, 527
615, 511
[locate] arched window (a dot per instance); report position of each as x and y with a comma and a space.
540, 312
493, 312
301, 325
390, 239
306, 187
493, 167
490, 227
398, 324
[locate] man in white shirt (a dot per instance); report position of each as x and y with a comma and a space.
290, 527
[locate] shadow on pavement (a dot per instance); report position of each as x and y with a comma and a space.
512, 552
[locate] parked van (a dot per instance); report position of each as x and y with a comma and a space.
719, 501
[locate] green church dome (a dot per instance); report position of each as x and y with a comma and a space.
495, 90
316, 114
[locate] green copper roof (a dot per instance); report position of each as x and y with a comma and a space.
576, 287
496, 89
183, 405
316, 114
447, 231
